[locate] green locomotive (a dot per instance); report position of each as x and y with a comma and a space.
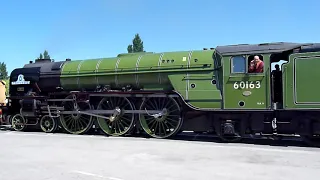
210, 90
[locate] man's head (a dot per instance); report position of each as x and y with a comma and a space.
256, 58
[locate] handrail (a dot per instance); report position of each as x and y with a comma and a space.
152, 69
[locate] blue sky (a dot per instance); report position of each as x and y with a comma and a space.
80, 29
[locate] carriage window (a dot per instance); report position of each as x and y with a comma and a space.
238, 64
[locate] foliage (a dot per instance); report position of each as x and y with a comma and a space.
7, 86
3, 71
136, 46
4, 75
130, 50
45, 55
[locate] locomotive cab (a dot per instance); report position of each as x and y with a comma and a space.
244, 87
249, 80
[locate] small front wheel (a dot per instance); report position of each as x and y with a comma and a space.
18, 122
48, 124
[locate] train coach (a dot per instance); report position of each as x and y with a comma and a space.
231, 91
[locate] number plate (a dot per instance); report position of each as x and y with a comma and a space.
20, 89
247, 85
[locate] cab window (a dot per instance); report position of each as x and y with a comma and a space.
238, 64
255, 64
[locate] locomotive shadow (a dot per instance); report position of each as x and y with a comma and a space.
191, 136
281, 142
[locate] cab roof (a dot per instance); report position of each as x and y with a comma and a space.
262, 48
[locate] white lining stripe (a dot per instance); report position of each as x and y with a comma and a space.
159, 64
78, 69
137, 67
188, 81
97, 70
116, 70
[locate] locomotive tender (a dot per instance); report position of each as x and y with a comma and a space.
162, 94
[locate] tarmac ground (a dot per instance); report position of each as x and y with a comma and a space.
41, 156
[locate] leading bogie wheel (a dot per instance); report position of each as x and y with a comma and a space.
18, 122
48, 124
76, 123
119, 122
164, 124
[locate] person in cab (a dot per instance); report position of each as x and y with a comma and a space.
256, 65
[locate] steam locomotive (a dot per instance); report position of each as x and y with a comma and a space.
162, 94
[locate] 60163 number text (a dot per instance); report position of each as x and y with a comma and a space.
247, 85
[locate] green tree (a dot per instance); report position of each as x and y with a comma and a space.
45, 55
7, 86
4, 75
130, 50
3, 71
137, 45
